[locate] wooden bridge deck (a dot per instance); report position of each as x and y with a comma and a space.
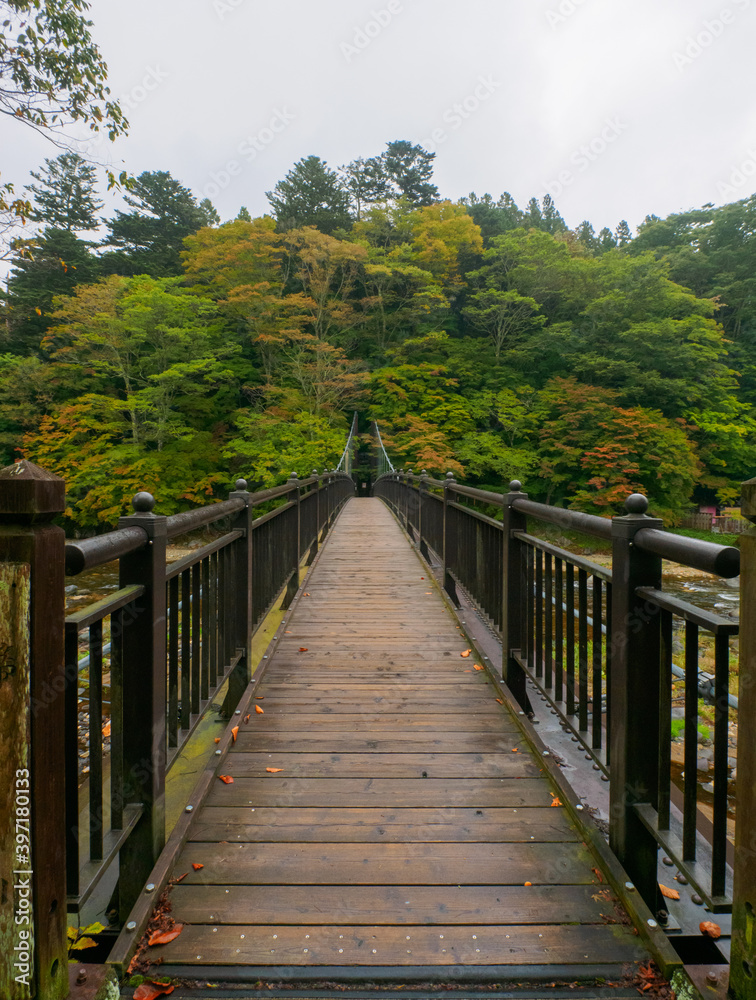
385, 811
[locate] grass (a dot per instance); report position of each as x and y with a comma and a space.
718, 538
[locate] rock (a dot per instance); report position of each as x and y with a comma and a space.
678, 713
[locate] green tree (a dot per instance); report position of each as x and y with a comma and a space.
65, 196
504, 316
366, 182
493, 217
311, 195
149, 239
409, 169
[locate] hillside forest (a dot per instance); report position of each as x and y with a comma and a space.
173, 352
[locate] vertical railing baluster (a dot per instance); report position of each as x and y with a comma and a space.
559, 638
665, 720
117, 624
609, 646
690, 795
173, 661
549, 622
95, 742
212, 670
582, 650
721, 747
196, 645
597, 693
205, 630
186, 651
516, 603
73, 861
570, 620
538, 613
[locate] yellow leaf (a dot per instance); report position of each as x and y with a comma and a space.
669, 893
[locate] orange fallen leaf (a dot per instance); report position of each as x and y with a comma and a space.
515, 750
303, 649
500, 701
235, 732
274, 770
287, 632
555, 801
260, 711
305, 595
260, 697
246, 719
226, 779
106, 728
165, 937
669, 893
710, 929
465, 654
197, 867
217, 739
148, 991
599, 875
428, 593
528, 883
477, 666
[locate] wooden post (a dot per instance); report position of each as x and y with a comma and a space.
635, 640
33, 946
144, 701
743, 961
515, 597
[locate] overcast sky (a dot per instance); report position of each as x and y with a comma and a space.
620, 108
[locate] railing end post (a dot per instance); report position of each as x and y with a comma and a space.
743, 962
514, 621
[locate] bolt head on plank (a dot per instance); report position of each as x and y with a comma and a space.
29, 494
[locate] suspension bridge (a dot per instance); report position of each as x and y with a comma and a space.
399, 741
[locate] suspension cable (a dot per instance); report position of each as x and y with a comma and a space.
384, 462
347, 459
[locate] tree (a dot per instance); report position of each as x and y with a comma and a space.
503, 315
552, 221
493, 217
58, 262
243, 215
311, 195
409, 168
366, 182
622, 234
149, 240
65, 197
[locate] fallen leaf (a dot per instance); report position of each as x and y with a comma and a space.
217, 739
287, 632
555, 801
260, 711
305, 595
226, 779
260, 697
669, 893
515, 750
465, 654
500, 701
599, 875
274, 770
477, 666
180, 878
197, 867
246, 719
528, 883
710, 929
235, 732
165, 937
148, 991
303, 649
429, 593
106, 728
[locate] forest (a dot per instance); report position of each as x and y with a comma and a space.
177, 352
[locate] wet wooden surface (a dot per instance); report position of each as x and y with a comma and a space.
402, 822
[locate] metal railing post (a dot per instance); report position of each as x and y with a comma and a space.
293, 585
635, 646
144, 700
32, 708
514, 596
449, 585
316, 544
242, 672
743, 962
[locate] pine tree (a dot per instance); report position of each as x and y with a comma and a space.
65, 196
243, 215
623, 234
366, 181
552, 221
311, 195
409, 168
149, 240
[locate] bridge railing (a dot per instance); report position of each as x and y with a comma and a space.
596, 643
165, 643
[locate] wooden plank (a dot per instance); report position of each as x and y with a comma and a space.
398, 765
403, 905
312, 945
277, 789
269, 863
365, 825
376, 724
342, 739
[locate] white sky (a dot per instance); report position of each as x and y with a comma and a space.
201, 79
